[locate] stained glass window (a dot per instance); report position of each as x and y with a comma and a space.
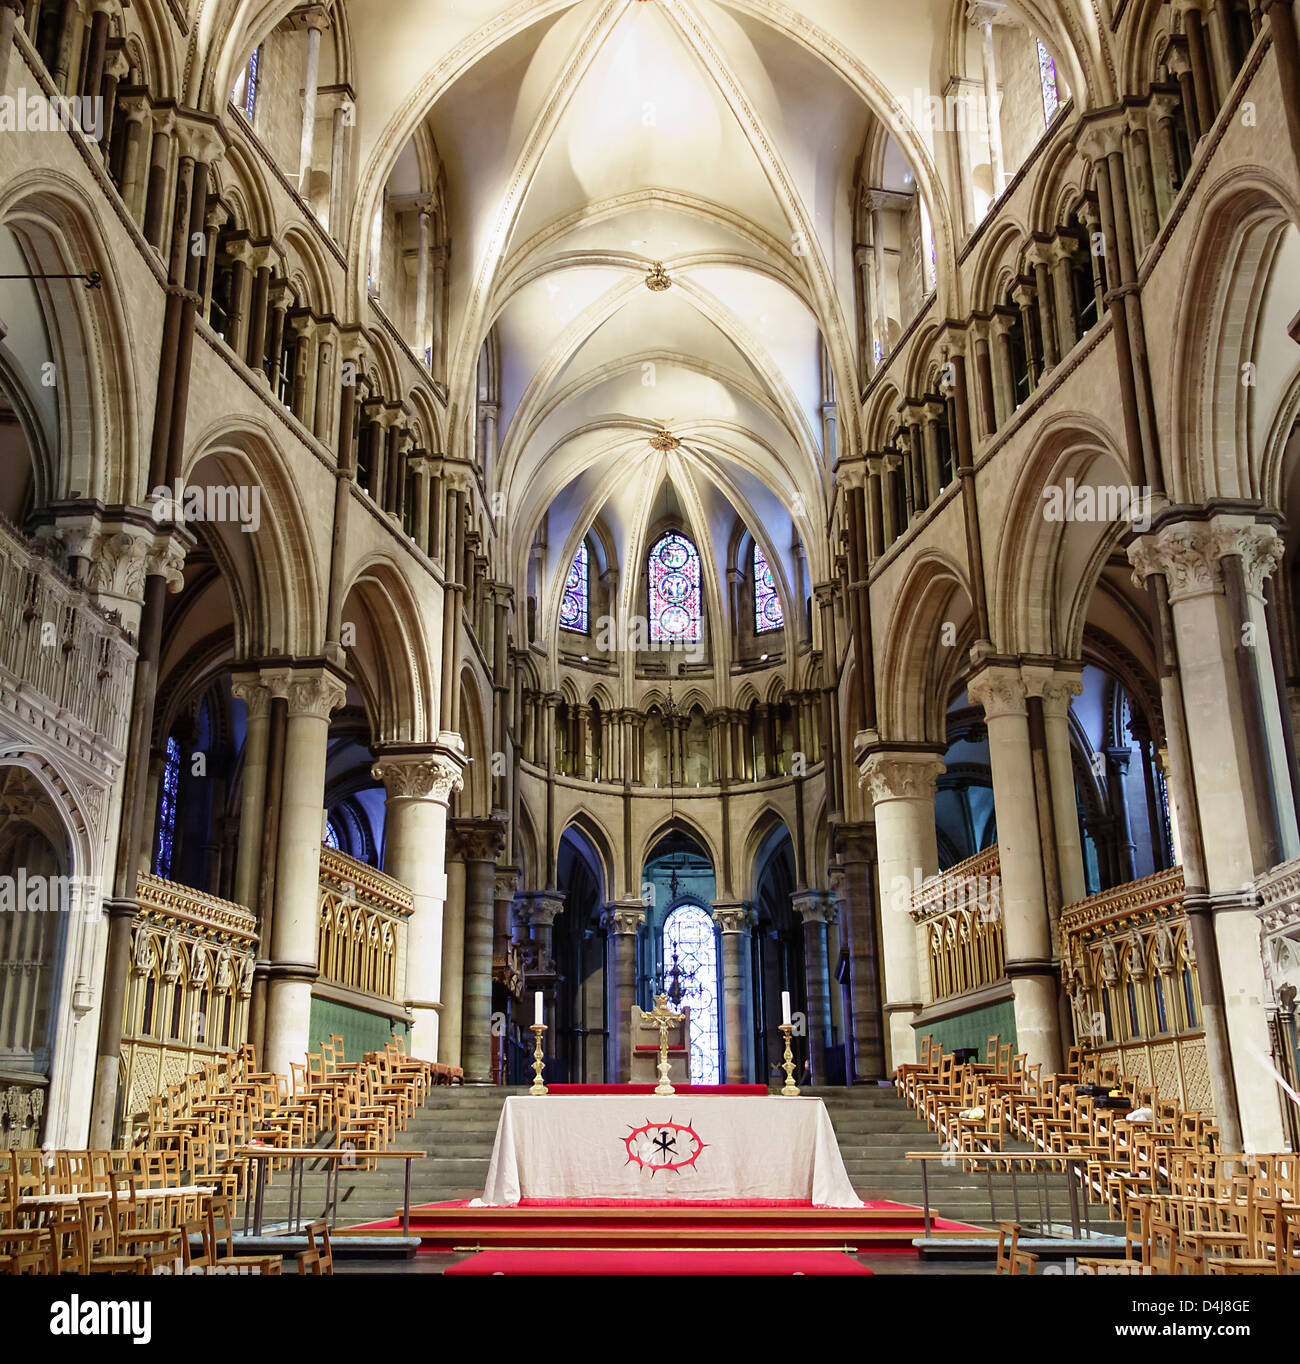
331, 835
767, 604
689, 934
573, 605
674, 591
1047, 79
169, 789
250, 84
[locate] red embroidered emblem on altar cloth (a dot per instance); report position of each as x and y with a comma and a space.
670, 1145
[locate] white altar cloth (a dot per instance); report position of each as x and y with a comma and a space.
658, 1149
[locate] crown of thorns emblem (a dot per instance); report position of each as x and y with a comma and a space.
656, 1146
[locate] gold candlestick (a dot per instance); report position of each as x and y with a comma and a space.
665, 1018
538, 1064
789, 1089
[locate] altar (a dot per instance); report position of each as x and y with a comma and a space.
667, 1148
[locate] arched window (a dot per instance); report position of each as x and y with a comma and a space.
577, 593
169, 788
767, 604
331, 835
248, 101
1047, 79
674, 591
690, 943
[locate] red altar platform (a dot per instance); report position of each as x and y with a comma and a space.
748, 1091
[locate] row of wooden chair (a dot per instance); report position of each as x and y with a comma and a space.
358, 1104
115, 1230
1187, 1206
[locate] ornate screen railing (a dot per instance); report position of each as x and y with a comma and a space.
959, 916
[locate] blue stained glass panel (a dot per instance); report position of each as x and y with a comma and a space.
674, 591
573, 605
331, 835
169, 789
1047, 79
689, 933
767, 603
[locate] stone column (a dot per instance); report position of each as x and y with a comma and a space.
421, 346
419, 782
1026, 928
1046, 320
900, 784
876, 207
816, 909
481, 843
451, 1018
982, 16
317, 21
1286, 49
155, 214
733, 918
312, 695
855, 846
621, 921
252, 691
1057, 690
1023, 298
1004, 387
255, 355
1062, 256
1215, 569
136, 111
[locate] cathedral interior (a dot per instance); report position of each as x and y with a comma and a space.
544, 503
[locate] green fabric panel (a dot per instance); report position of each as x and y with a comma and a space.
361, 1031
973, 1029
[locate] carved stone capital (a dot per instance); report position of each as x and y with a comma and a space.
900, 776
731, 916
253, 692
425, 774
1000, 691
315, 692
1056, 688
1190, 553
538, 908
476, 840
814, 906
505, 885
122, 550
1260, 548
622, 918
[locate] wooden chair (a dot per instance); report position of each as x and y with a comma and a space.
99, 1239
317, 1258
220, 1235
1008, 1241
68, 1245
1096, 1265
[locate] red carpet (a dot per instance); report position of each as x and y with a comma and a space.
674, 1262
745, 1091
623, 1224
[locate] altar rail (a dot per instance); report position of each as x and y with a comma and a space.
57, 642
959, 915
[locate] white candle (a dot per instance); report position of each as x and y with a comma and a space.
537, 1007
785, 1008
